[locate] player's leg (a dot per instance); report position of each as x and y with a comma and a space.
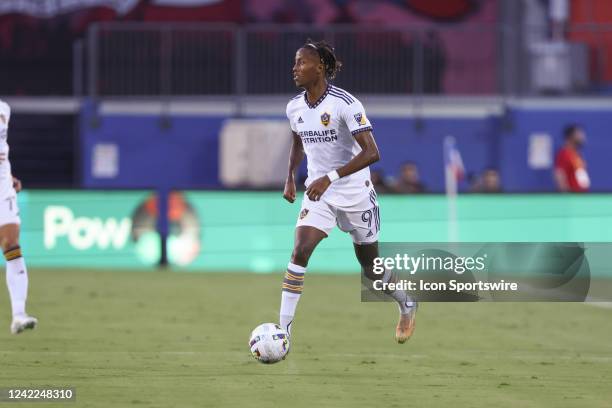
306, 240
16, 278
363, 223
315, 221
366, 253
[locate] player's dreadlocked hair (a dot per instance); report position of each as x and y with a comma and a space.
326, 55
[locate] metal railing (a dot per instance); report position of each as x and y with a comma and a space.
186, 59
174, 59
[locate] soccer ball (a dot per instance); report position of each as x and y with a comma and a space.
269, 343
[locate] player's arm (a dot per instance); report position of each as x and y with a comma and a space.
296, 155
369, 154
16, 184
5, 114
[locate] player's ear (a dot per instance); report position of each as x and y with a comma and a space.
321, 68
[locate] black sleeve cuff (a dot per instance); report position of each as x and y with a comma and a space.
365, 129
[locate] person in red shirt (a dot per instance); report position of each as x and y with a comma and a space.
570, 168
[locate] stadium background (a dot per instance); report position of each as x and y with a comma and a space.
161, 96
124, 110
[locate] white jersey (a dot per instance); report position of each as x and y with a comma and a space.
327, 130
6, 179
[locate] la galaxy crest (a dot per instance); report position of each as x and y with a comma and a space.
325, 118
360, 118
303, 213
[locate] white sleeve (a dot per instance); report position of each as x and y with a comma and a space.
5, 116
355, 118
289, 116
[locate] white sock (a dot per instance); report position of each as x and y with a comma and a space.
292, 290
404, 302
17, 282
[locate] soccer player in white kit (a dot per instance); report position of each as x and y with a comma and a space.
330, 126
16, 272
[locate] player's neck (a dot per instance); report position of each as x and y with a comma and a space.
314, 91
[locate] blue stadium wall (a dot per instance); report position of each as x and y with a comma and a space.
183, 151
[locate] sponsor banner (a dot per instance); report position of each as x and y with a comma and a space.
241, 231
253, 231
113, 229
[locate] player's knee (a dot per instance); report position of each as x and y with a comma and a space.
9, 245
9, 242
301, 253
9, 236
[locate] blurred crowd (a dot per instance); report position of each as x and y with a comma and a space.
570, 172
408, 181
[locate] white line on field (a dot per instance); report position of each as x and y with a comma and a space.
598, 303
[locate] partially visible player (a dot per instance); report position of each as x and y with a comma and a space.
16, 272
330, 126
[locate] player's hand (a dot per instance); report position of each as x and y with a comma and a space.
316, 189
2, 157
289, 192
16, 184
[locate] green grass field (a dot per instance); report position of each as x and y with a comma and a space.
165, 339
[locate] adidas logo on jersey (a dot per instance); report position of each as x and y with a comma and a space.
300, 120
